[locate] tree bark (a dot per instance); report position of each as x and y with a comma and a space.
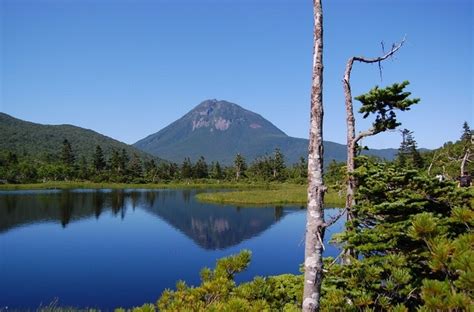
464, 161
431, 163
351, 149
315, 214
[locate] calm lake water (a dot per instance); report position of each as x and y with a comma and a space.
122, 248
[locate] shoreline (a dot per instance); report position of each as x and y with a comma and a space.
239, 194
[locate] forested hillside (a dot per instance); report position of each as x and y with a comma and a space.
45, 141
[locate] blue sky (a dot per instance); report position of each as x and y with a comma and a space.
129, 68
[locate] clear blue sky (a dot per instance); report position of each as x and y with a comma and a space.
128, 68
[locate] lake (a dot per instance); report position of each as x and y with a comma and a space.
122, 248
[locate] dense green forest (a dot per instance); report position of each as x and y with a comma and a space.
121, 166
41, 142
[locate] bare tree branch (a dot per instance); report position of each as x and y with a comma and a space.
364, 134
335, 218
334, 261
435, 156
392, 51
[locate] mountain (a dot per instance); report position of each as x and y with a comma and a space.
38, 140
218, 130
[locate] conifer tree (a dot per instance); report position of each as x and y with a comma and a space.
83, 170
262, 168
408, 155
123, 161
303, 168
240, 166
466, 132
200, 169
67, 155
135, 166
187, 169
115, 161
383, 104
216, 171
278, 165
335, 175
173, 170
98, 159
151, 170
413, 234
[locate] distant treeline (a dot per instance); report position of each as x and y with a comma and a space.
121, 167
124, 168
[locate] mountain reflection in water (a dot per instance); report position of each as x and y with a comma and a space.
210, 226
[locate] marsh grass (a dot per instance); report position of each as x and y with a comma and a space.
106, 185
277, 194
244, 193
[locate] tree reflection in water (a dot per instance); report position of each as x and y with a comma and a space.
210, 226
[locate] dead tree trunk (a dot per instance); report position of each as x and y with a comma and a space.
435, 156
313, 264
351, 137
464, 160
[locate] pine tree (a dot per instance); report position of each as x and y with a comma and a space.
278, 165
405, 233
151, 170
408, 155
173, 171
216, 171
98, 159
123, 161
261, 168
115, 161
303, 168
466, 133
83, 170
240, 166
335, 175
382, 103
299, 171
135, 167
67, 155
187, 169
200, 169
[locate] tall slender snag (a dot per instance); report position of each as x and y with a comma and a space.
352, 139
464, 161
315, 225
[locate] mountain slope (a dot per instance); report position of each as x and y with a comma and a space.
39, 140
218, 130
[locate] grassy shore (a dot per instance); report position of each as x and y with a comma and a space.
63, 185
280, 194
242, 194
